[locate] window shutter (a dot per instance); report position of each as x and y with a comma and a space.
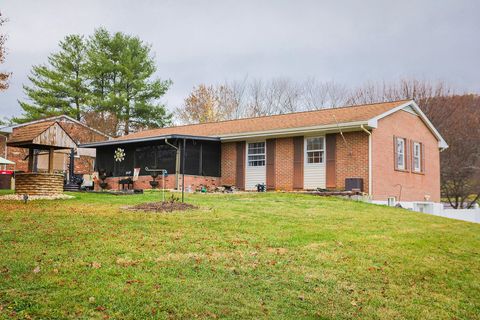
395, 153
412, 157
422, 158
330, 141
298, 163
408, 154
240, 170
270, 163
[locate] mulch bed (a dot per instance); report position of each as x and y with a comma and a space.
166, 206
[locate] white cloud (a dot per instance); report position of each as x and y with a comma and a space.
212, 41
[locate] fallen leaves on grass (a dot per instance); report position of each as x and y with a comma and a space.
132, 281
126, 262
96, 265
167, 206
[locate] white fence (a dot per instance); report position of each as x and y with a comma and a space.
470, 215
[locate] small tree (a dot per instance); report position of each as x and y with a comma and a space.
203, 105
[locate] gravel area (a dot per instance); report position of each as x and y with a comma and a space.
19, 197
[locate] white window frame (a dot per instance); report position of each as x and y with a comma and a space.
391, 201
417, 166
264, 154
321, 150
403, 165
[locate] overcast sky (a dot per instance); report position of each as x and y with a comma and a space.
212, 41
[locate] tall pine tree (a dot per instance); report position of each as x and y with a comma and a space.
121, 69
59, 87
111, 76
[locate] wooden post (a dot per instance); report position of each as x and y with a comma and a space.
30, 159
51, 154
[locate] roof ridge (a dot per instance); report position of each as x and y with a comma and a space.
56, 118
270, 116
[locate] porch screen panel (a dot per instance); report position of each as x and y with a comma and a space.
165, 158
211, 152
145, 157
125, 167
104, 160
192, 157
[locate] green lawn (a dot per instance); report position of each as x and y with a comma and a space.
274, 256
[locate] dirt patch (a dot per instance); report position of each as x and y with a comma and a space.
166, 206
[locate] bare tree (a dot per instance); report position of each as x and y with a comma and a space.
421, 91
320, 95
457, 117
3, 37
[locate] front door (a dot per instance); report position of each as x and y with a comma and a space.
255, 171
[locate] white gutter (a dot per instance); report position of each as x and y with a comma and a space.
292, 131
369, 160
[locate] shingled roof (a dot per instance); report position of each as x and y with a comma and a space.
329, 116
49, 134
28, 133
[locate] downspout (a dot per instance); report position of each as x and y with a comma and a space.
369, 160
177, 162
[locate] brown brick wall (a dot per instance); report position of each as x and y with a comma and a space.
143, 182
83, 165
352, 158
18, 155
81, 134
284, 164
352, 162
386, 180
229, 163
3, 154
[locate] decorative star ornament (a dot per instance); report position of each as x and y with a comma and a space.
119, 155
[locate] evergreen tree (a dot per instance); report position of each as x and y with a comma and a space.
60, 87
121, 68
109, 75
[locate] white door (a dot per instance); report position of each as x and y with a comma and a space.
255, 169
314, 168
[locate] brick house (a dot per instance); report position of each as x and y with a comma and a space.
389, 150
83, 158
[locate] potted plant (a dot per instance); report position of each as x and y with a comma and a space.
154, 176
102, 175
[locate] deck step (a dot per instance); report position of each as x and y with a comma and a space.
71, 187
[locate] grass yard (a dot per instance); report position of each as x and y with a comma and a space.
276, 256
